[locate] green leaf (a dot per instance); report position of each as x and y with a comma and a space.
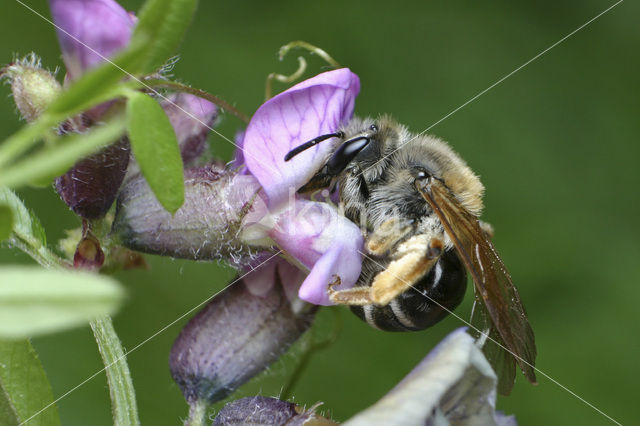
154, 144
24, 388
36, 301
25, 225
99, 84
6, 222
61, 155
162, 26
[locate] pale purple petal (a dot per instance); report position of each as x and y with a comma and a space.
89, 30
454, 384
264, 277
238, 155
314, 107
323, 241
192, 118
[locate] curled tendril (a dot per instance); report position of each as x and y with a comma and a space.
302, 64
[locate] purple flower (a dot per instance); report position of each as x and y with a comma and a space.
89, 30
312, 232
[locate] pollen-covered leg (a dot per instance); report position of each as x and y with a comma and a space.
351, 296
387, 235
414, 258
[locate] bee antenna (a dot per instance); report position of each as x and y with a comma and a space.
315, 141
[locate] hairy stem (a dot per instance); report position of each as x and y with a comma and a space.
123, 396
199, 93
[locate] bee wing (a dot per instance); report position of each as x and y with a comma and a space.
503, 363
492, 280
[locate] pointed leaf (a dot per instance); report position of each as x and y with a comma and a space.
36, 301
155, 147
24, 388
6, 222
57, 159
25, 225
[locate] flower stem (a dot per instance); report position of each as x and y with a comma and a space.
197, 413
310, 349
174, 85
123, 397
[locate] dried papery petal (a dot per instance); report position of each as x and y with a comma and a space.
206, 227
236, 336
90, 187
191, 118
89, 30
33, 88
265, 411
454, 384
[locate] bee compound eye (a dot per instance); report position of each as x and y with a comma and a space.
421, 174
373, 128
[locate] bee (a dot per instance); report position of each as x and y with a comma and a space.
418, 204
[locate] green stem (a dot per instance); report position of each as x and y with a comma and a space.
123, 397
197, 413
174, 85
45, 257
311, 348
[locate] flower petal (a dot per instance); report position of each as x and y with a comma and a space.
89, 30
323, 241
314, 107
454, 384
191, 118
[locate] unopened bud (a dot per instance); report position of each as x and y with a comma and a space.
88, 254
90, 187
33, 87
216, 204
236, 336
192, 118
264, 411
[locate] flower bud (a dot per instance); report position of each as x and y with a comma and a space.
191, 118
264, 411
236, 336
33, 88
90, 187
88, 254
206, 227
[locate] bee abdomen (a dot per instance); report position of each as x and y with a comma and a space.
426, 303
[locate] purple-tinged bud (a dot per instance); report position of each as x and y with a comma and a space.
90, 30
217, 203
236, 336
192, 118
90, 187
265, 411
33, 87
88, 254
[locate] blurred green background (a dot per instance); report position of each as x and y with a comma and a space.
555, 145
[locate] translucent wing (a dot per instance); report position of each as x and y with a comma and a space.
492, 280
503, 363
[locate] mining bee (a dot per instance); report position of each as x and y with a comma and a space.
418, 204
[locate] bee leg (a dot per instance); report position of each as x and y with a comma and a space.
352, 296
387, 235
414, 258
